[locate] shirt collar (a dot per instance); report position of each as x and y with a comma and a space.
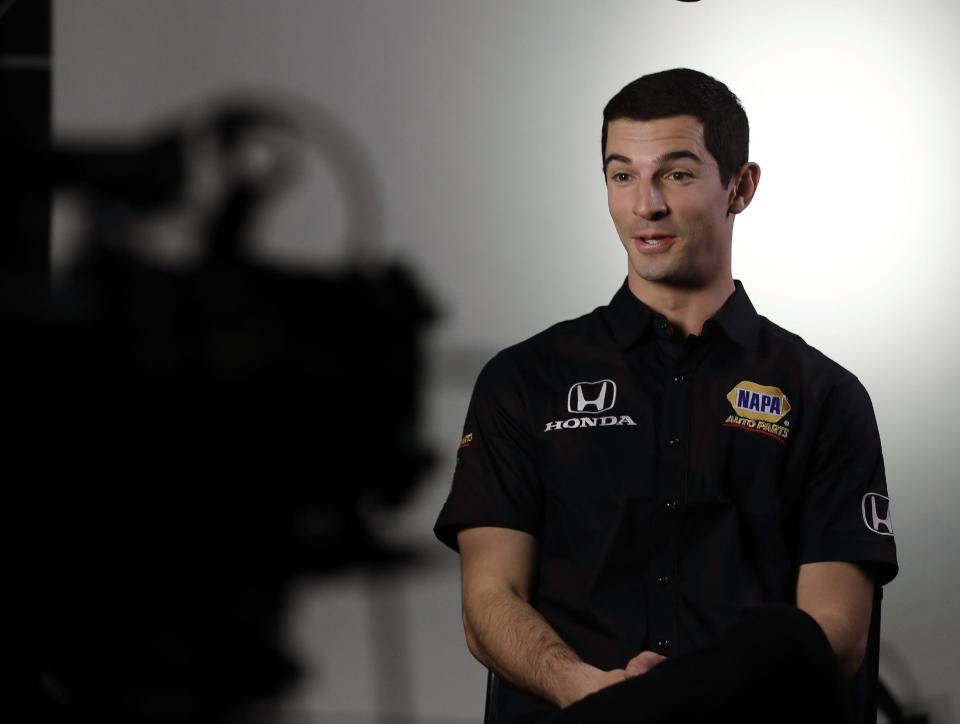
631, 319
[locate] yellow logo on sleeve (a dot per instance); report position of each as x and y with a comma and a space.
466, 440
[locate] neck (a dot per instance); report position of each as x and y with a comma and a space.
687, 308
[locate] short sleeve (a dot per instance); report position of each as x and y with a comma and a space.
845, 508
495, 480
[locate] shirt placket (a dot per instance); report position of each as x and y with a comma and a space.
674, 427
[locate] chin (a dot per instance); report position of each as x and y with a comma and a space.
669, 276
654, 273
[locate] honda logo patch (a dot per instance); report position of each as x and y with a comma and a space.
876, 513
592, 397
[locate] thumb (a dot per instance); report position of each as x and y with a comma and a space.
642, 663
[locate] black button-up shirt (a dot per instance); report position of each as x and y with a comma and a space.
670, 482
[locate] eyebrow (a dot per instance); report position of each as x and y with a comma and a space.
662, 158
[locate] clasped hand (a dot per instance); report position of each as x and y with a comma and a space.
599, 679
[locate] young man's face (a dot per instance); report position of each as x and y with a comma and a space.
651, 194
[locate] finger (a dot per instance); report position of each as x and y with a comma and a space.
643, 662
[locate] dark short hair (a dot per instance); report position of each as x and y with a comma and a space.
681, 91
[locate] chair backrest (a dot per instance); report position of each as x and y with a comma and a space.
493, 691
863, 686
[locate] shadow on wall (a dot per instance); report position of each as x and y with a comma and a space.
194, 430
900, 693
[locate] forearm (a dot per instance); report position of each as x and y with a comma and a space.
506, 634
845, 640
839, 596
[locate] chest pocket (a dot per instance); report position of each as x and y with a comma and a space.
743, 455
592, 463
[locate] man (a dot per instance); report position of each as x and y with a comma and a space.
670, 499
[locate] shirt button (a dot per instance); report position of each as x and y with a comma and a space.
670, 505
663, 580
673, 442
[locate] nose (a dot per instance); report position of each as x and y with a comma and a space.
648, 201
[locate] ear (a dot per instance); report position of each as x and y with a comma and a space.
743, 187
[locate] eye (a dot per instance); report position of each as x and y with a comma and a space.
618, 177
674, 174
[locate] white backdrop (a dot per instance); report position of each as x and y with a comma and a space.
482, 124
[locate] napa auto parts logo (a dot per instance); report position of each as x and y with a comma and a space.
759, 408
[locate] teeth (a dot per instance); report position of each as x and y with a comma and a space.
651, 241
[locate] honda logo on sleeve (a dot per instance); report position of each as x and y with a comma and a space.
592, 397
876, 513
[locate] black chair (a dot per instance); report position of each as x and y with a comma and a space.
493, 693
863, 686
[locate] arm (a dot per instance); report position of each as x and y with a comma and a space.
839, 596
504, 632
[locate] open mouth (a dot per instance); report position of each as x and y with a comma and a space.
652, 244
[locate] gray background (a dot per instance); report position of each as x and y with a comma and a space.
481, 121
